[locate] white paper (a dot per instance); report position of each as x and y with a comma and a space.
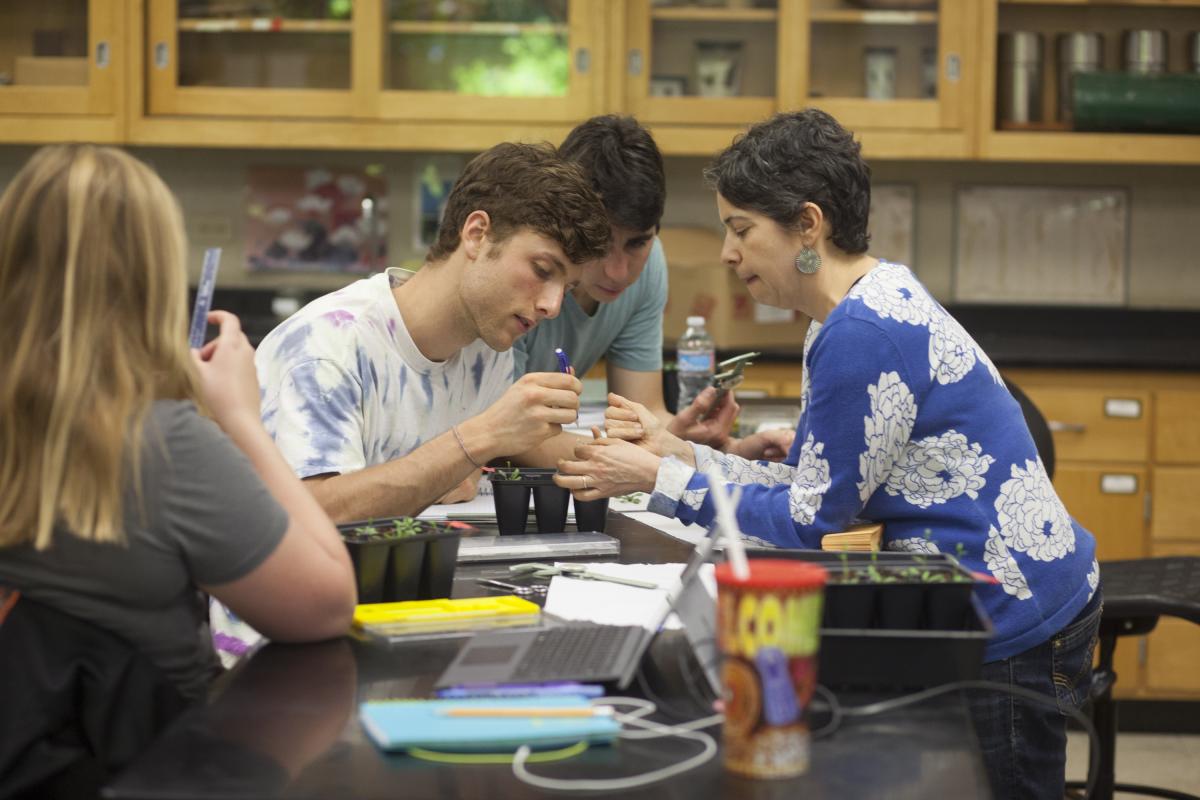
607, 603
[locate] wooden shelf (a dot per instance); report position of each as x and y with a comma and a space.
852, 16
706, 14
478, 28
264, 25
1143, 3
1112, 148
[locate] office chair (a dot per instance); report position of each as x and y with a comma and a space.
78, 702
1136, 593
1039, 429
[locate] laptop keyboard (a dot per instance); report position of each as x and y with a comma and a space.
575, 652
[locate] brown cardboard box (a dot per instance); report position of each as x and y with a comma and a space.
50, 71
700, 284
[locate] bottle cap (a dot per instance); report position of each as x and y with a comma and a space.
695, 322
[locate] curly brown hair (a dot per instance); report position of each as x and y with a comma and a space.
526, 186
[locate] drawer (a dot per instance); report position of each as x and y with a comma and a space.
1173, 647
1174, 512
1177, 427
1094, 424
1108, 500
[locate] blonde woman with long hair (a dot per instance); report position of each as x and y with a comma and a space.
118, 499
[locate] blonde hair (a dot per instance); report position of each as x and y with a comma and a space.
93, 317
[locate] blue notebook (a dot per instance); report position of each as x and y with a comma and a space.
403, 724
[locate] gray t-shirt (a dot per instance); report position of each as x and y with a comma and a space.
208, 519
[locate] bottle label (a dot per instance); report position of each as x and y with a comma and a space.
696, 361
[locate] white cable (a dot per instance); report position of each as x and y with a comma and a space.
635, 718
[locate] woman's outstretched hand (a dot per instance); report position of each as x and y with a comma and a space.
607, 468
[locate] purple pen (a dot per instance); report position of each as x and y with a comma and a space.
564, 363
553, 689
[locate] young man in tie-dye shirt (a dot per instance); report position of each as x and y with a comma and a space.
388, 394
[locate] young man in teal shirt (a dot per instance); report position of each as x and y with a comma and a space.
616, 312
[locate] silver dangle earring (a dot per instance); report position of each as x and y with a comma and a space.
808, 261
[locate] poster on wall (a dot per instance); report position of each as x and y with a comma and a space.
305, 219
892, 222
1027, 244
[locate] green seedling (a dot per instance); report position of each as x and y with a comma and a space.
406, 526
508, 473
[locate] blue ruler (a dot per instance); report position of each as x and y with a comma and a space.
204, 293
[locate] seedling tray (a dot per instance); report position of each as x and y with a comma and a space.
924, 628
417, 566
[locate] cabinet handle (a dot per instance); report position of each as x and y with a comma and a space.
102, 55
953, 67
1066, 427
634, 62
162, 55
583, 60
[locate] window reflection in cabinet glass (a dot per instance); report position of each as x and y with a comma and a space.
886, 53
44, 43
275, 44
713, 50
514, 48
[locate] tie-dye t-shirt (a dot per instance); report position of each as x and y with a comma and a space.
344, 387
905, 421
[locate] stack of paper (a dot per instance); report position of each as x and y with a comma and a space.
862, 538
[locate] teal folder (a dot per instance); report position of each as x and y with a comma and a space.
404, 724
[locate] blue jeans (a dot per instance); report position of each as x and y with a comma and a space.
1025, 746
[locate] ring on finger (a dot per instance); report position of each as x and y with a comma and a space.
585, 482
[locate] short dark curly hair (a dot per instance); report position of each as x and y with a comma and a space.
526, 186
795, 158
625, 167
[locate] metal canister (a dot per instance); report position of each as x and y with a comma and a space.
1145, 51
1077, 52
1019, 89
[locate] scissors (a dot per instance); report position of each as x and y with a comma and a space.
533, 590
538, 570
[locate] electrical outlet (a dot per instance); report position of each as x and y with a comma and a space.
212, 229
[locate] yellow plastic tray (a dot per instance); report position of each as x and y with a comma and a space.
423, 612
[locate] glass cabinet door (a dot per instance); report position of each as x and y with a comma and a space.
288, 58
717, 61
885, 63
490, 59
56, 57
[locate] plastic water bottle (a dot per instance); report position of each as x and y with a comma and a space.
696, 358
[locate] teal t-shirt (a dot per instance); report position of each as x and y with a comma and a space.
627, 331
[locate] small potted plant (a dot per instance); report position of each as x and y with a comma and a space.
401, 558
511, 488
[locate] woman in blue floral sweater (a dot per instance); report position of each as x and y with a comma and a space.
904, 420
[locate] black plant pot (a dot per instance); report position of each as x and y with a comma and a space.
591, 515
437, 573
849, 605
512, 506
900, 606
550, 508
370, 561
406, 559
947, 605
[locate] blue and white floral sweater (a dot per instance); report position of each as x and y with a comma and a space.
904, 420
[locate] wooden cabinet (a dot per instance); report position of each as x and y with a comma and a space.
1173, 647
376, 60
420, 75
1050, 137
62, 70
1128, 466
700, 72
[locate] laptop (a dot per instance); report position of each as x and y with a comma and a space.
590, 652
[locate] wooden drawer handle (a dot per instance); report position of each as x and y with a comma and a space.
1066, 427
